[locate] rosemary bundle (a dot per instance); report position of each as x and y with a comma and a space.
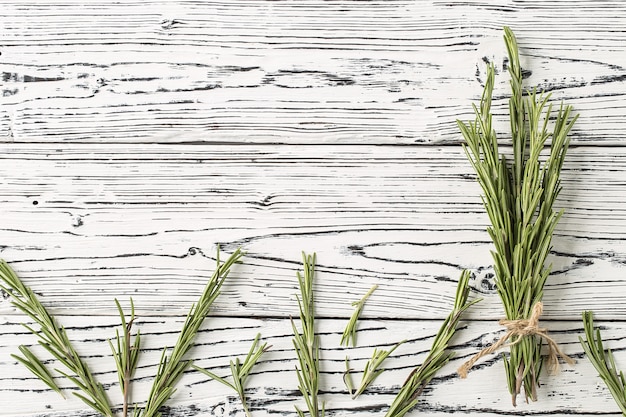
604, 362
54, 339
519, 195
306, 343
438, 356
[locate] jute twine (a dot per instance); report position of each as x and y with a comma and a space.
519, 328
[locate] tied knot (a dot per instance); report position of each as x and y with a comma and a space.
518, 329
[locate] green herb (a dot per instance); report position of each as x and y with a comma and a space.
172, 367
518, 197
349, 334
126, 354
604, 362
438, 356
372, 369
240, 371
307, 343
54, 339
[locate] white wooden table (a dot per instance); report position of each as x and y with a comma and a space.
136, 136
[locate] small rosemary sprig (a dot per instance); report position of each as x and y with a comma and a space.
307, 343
371, 371
438, 356
126, 353
240, 371
604, 362
349, 334
54, 339
172, 367
519, 196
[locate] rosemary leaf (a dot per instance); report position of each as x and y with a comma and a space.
240, 371
306, 343
604, 362
372, 368
172, 367
438, 356
54, 339
34, 364
519, 195
349, 334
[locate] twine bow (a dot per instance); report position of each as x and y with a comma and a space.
522, 327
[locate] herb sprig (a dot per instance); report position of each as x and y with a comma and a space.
306, 343
438, 356
172, 367
54, 339
371, 371
519, 196
240, 371
604, 362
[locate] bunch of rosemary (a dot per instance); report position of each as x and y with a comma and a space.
519, 195
54, 339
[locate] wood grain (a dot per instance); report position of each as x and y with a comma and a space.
136, 136
384, 72
273, 385
143, 221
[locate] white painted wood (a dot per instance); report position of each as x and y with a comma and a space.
138, 135
273, 387
143, 221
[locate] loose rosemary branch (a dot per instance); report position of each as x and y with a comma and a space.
172, 367
438, 356
604, 362
371, 371
307, 343
518, 197
126, 354
240, 371
349, 334
54, 339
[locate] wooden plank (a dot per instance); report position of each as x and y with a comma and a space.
377, 72
273, 385
143, 221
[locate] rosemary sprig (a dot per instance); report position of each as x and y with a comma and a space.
518, 197
172, 367
438, 356
240, 371
126, 355
349, 334
604, 362
307, 343
372, 369
54, 339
